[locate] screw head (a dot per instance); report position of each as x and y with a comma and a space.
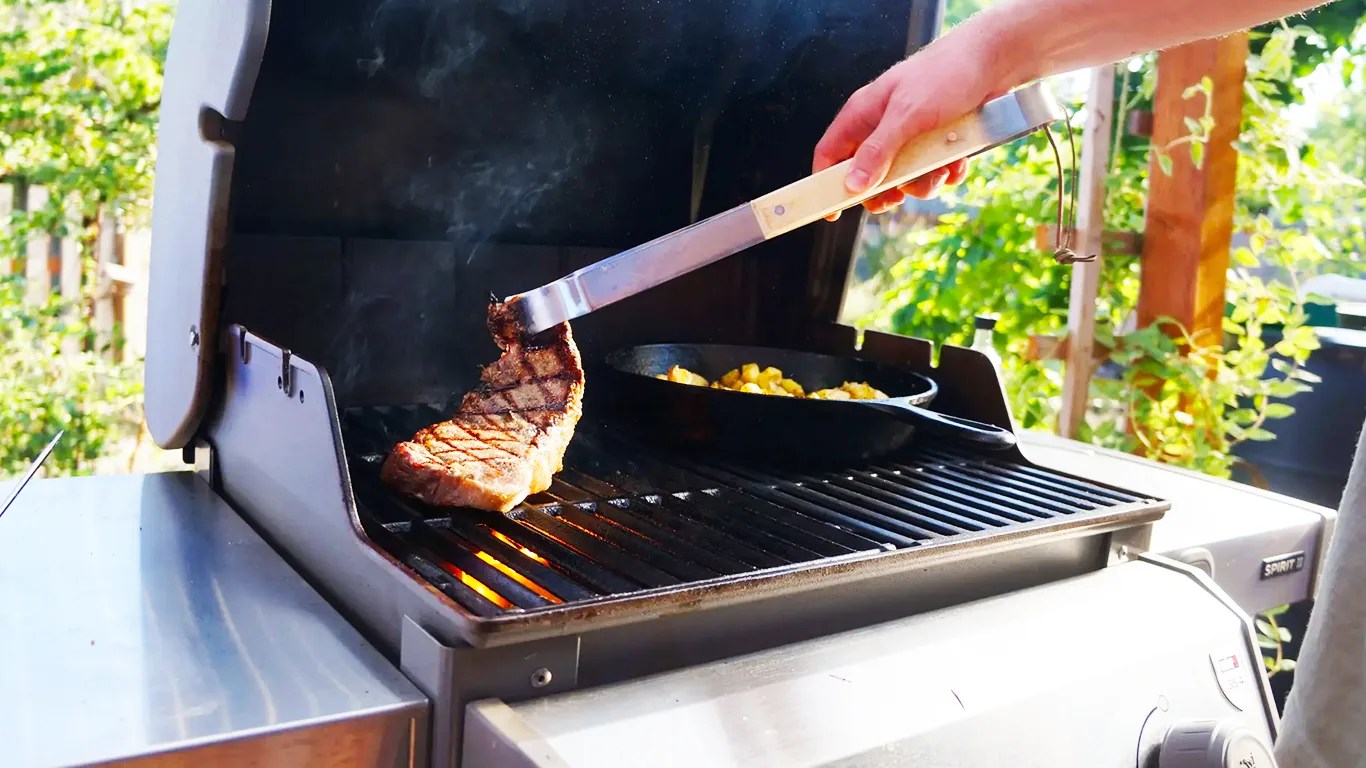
541, 678
952, 137
779, 210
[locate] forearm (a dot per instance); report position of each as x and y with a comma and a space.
1025, 40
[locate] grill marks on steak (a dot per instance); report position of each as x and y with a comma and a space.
508, 438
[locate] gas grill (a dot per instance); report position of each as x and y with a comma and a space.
342, 183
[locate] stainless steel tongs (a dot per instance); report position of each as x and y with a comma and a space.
626, 274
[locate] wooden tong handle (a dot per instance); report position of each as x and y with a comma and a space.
999, 121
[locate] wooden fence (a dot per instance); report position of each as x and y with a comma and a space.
52, 266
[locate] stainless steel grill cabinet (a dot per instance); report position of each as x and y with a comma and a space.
938, 689
342, 184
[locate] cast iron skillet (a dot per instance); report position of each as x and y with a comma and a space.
779, 428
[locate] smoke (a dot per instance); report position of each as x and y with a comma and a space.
527, 97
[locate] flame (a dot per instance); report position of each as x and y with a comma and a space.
519, 547
479, 586
515, 576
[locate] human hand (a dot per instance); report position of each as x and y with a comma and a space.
920, 94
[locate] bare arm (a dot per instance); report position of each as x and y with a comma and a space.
1012, 43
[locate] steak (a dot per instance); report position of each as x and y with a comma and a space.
508, 437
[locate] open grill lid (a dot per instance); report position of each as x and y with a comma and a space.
564, 124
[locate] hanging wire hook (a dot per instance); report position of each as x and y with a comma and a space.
1065, 236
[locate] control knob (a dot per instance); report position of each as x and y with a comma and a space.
1213, 744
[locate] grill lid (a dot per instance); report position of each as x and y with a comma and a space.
211, 64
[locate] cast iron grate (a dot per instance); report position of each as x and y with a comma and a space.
621, 517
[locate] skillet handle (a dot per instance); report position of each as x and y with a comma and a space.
980, 433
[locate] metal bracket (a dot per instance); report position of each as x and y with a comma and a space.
453, 678
286, 381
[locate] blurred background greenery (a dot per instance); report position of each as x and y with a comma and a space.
927, 269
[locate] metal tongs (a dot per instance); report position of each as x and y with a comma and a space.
626, 274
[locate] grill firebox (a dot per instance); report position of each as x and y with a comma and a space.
623, 518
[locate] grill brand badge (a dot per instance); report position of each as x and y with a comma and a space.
1282, 565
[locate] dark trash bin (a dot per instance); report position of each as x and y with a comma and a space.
1312, 452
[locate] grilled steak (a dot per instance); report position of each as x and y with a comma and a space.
510, 433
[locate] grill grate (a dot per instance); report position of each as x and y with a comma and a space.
621, 517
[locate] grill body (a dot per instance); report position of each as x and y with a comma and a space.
354, 177
281, 453
938, 689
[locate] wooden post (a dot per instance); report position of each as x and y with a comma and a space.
38, 282
1190, 212
1081, 310
106, 253
68, 251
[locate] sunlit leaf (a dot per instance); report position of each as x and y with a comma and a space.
1279, 410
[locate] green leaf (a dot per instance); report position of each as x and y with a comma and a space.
1286, 388
1260, 435
1164, 161
1244, 257
1198, 153
1279, 410
1279, 610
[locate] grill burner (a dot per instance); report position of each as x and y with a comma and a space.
622, 517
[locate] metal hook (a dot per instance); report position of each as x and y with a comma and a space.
1064, 237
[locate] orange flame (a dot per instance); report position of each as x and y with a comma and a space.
479, 586
515, 576
519, 547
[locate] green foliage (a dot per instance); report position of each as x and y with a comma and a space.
1169, 397
1332, 28
80, 85
1272, 637
50, 382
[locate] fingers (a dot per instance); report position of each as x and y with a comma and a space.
855, 121
901, 121
925, 188
851, 126
885, 201
958, 170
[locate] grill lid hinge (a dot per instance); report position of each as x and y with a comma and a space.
286, 380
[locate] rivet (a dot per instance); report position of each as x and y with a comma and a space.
541, 678
952, 137
194, 336
780, 210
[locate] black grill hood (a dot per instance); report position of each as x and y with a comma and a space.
351, 178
